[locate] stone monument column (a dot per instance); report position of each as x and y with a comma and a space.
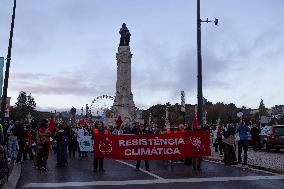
123, 104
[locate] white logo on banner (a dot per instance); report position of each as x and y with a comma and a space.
105, 146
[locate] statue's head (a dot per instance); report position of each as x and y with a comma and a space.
123, 25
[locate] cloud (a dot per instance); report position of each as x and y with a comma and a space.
68, 48
60, 84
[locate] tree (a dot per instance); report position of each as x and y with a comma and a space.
22, 99
25, 104
31, 101
262, 109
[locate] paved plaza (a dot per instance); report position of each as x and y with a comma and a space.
122, 174
265, 160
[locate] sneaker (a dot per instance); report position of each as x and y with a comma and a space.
37, 167
44, 169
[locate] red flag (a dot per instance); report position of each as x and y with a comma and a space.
51, 124
195, 121
82, 122
119, 121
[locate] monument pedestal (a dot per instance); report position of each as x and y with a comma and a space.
123, 104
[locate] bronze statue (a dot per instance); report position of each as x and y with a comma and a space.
125, 36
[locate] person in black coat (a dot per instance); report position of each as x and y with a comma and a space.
141, 131
19, 131
72, 144
255, 131
62, 138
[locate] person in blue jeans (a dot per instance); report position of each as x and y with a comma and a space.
243, 131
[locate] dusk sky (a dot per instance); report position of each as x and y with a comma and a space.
64, 51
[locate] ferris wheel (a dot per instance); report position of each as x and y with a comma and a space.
100, 104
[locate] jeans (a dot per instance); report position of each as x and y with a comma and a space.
12, 147
42, 155
22, 144
98, 163
139, 162
256, 140
243, 145
28, 151
61, 154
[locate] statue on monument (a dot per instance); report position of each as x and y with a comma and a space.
124, 36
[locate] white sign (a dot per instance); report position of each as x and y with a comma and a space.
85, 143
240, 114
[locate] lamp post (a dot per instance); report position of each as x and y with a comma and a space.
167, 122
183, 105
5, 86
199, 65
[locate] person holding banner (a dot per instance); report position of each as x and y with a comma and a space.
99, 161
197, 160
80, 134
141, 130
118, 130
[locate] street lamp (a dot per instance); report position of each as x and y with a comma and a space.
183, 105
5, 86
167, 122
199, 65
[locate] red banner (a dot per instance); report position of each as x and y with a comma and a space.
153, 147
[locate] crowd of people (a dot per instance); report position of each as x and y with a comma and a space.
231, 138
37, 141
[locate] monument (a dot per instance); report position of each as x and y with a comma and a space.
123, 103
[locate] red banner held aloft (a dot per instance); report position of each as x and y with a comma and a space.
153, 147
